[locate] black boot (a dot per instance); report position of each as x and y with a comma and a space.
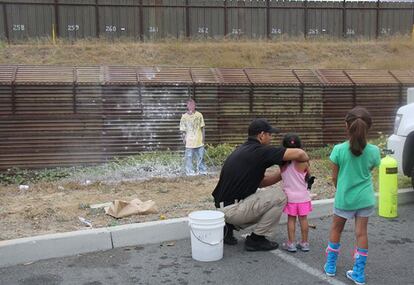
228, 235
259, 243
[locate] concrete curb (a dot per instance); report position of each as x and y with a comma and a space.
150, 232
18, 251
30, 249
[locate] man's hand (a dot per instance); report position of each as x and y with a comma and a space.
295, 154
270, 178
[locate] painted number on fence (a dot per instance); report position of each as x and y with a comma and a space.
385, 31
202, 30
313, 32
153, 29
18, 28
350, 32
73, 28
236, 31
276, 31
110, 28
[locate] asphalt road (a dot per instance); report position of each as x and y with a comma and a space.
390, 261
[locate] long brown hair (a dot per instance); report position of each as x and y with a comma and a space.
358, 122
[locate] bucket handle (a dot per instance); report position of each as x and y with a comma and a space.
211, 244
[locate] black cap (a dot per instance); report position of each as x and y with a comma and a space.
261, 125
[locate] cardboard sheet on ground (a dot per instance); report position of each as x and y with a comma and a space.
120, 209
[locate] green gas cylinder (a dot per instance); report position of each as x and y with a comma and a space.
388, 187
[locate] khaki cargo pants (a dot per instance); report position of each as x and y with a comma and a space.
262, 209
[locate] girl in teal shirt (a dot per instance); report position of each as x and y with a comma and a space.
352, 163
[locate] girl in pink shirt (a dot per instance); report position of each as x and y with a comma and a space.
299, 204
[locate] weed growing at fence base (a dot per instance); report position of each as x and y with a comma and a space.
24, 176
216, 155
163, 164
137, 167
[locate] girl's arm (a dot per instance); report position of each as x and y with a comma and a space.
303, 166
335, 170
295, 154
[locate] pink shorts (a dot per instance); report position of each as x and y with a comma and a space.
298, 209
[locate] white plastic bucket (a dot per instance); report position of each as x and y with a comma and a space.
206, 228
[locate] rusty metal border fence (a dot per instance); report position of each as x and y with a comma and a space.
64, 115
158, 19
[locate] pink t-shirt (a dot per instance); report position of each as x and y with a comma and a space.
294, 184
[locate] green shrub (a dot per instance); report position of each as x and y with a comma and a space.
216, 155
320, 153
381, 142
25, 176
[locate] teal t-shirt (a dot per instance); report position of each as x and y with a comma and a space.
354, 184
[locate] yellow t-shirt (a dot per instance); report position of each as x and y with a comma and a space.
192, 126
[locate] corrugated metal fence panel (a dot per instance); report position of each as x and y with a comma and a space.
2, 27
324, 22
164, 22
308, 77
282, 105
337, 100
156, 19
40, 127
44, 75
255, 19
262, 76
41, 100
248, 22
89, 75
162, 109
377, 90
286, 21
208, 105
383, 102
232, 76
116, 21
206, 22
361, 23
405, 77
204, 76
165, 75
7, 74
122, 114
121, 75
48, 141
6, 104
54, 116
234, 113
29, 21
393, 22
77, 21
371, 77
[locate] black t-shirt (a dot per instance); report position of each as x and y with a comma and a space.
244, 169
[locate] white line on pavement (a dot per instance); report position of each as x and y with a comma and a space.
301, 265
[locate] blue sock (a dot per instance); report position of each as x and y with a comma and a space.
334, 245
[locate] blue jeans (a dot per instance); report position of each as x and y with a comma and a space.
198, 155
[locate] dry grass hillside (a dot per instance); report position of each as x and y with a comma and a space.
394, 53
54, 204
